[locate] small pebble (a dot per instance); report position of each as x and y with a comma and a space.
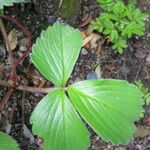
52, 20
130, 146
91, 75
84, 51
22, 48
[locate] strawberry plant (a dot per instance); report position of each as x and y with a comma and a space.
109, 106
120, 22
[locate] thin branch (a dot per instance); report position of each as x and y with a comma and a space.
34, 89
22, 106
26, 33
27, 88
5, 99
10, 55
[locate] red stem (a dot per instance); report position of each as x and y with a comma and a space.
5, 99
27, 88
34, 89
26, 33
13, 74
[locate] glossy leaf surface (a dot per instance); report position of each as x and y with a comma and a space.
110, 107
55, 120
56, 52
7, 143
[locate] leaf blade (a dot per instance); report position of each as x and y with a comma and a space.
55, 120
56, 52
7, 143
101, 105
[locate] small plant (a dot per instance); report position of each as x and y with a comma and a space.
119, 22
144, 90
7, 143
109, 106
8, 3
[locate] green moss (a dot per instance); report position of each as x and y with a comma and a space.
69, 8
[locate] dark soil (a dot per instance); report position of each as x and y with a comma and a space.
132, 65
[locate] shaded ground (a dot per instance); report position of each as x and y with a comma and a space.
132, 65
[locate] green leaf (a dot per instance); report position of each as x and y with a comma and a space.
8, 2
133, 28
56, 52
144, 90
114, 35
119, 44
56, 121
97, 25
110, 107
135, 14
7, 143
108, 24
106, 4
106, 31
119, 8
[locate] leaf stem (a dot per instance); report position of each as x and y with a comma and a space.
5, 99
34, 89
27, 88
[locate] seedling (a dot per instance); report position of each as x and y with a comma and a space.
144, 90
109, 106
120, 22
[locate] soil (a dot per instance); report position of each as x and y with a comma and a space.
133, 64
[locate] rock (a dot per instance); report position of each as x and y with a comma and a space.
52, 20
27, 133
91, 75
84, 51
130, 146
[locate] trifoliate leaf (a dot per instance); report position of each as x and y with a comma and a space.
56, 52
110, 107
8, 2
7, 143
55, 120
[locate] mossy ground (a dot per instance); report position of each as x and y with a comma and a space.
69, 8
